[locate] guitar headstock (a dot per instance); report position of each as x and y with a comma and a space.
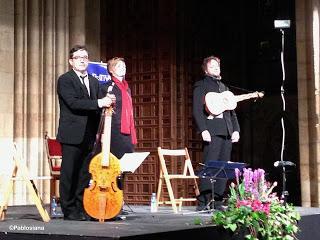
108, 111
259, 94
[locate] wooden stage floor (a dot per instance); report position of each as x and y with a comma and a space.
24, 222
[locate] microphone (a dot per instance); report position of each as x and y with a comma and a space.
283, 163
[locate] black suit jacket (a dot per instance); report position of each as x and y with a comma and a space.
218, 126
77, 108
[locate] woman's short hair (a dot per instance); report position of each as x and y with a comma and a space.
113, 62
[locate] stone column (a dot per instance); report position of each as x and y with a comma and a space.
7, 88
307, 34
35, 40
41, 53
84, 25
92, 30
77, 22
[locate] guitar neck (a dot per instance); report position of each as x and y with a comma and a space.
243, 97
106, 138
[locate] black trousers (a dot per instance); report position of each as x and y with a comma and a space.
74, 175
219, 149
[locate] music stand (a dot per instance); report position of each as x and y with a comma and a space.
129, 164
214, 170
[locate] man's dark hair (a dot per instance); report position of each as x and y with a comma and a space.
208, 59
76, 48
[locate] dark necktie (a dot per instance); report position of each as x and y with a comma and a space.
82, 79
83, 82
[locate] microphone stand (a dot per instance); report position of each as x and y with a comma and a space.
284, 193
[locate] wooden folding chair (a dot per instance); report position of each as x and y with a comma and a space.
187, 173
7, 187
54, 155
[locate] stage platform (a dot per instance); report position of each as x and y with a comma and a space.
24, 222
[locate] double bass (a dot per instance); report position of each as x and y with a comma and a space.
103, 199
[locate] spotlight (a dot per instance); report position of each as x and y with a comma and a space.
281, 24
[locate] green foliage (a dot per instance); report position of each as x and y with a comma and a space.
198, 221
254, 209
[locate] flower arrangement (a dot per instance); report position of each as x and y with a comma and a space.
256, 211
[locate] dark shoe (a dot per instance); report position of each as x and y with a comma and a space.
199, 208
85, 216
124, 212
75, 217
219, 205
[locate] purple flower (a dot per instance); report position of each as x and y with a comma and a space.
238, 174
247, 179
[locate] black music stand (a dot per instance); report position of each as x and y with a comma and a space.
214, 170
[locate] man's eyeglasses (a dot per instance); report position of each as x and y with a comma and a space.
79, 57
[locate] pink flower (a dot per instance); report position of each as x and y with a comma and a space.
258, 192
255, 205
246, 203
266, 208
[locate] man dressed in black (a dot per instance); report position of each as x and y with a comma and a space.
80, 101
218, 131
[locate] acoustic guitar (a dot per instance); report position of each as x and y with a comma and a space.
217, 103
103, 199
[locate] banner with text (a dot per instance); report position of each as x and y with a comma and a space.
99, 71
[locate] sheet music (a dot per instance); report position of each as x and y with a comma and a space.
131, 161
220, 169
235, 162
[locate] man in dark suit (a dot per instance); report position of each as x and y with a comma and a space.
80, 100
218, 131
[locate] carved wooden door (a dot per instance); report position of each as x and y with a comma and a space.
144, 33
